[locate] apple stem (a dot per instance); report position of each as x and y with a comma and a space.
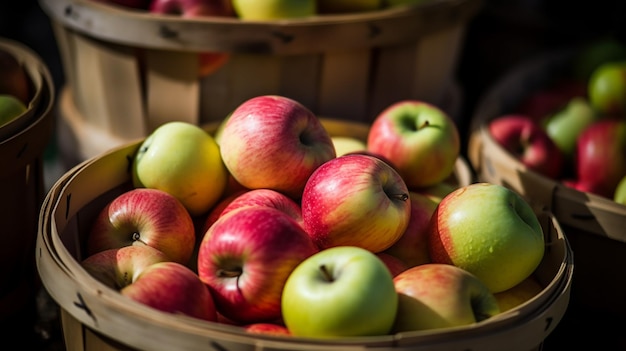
326, 273
224, 273
137, 237
425, 124
401, 197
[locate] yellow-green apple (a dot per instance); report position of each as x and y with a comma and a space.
184, 160
607, 88
345, 144
208, 62
565, 125
14, 79
144, 217
274, 9
394, 264
519, 294
355, 200
601, 157
267, 328
488, 230
436, 295
274, 142
339, 292
10, 108
347, 6
412, 247
619, 195
147, 276
257, 197
529, 143
245, 258
420, 139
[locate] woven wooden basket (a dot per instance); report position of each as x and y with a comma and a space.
98, 318
130, 71
22, 145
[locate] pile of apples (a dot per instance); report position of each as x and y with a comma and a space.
15, 88
574, 131
271, 224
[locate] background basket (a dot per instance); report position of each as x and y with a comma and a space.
95, 317
594, 225
22, 145
130, 71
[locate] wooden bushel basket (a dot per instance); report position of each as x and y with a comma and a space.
22, 145
594, 225
130, 71
95, 317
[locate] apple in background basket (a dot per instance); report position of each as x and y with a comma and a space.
345, 144
245, 258
267, 329
565, 125
436, 295
10, 108
419, 139
527, 142
607, 88
147, 276
144, 217
601, 157
340, 291
208, 62
261, 10
619, 195
355, 200
184, 160
541, 103
274, 142
490, 231
412, 247
13, 77
348, 6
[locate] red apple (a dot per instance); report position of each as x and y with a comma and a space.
146, 275
274, 142
524, 138
246, 257
267, 329
412, 247
144, 217
436, 295
257, 197
601, 157
355, 200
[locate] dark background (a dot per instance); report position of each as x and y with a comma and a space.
503, 34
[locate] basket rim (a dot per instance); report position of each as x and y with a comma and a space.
314, 34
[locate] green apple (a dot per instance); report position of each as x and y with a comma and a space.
619, 195
345, 144
10, 108
184, 160
434, 295
565, 126
274, 9
339, 292
607, 88
519, 294
347, 6
490, 231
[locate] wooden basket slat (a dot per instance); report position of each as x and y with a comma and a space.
299, 78
174, 88
252, 75
344, 84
